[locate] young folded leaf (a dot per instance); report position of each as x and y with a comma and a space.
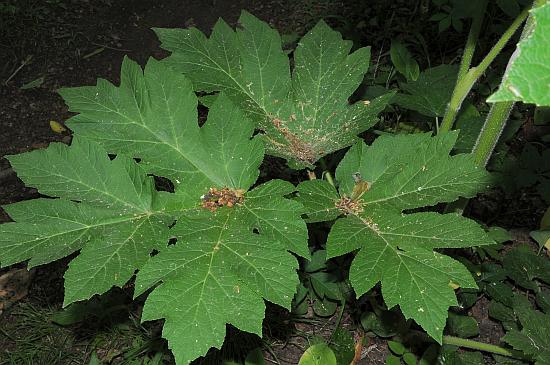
232, 240
376, 184
303, 116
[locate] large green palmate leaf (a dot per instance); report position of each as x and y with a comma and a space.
304, 115
376, 184
527, 78
232, 238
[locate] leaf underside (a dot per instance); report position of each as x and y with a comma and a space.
226, 260
304, 115
528, 77
403, 172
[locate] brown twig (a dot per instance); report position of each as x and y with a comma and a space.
25, 62
113, 48
358, 349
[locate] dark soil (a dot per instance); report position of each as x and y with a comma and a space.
74, 42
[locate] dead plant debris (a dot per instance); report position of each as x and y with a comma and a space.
225, 197
349, 206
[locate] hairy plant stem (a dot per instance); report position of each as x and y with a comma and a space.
491, 131
471, 42
326, 172
469, 49
465, 83
495, 122
486, 143
474, 345
500, 111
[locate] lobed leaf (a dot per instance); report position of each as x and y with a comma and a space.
317, 197
114, 225
232, 242
524, 266
377, 183
152, 116
217, 273
266, 209
533, 337
303, 116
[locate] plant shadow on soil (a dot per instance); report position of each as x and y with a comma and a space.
73, 42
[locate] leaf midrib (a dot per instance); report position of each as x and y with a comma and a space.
91, 226
401, 262
159, 140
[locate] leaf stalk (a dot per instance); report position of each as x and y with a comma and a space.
475, 345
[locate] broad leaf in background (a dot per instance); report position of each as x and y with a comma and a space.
452, 355
403, 61
454, 12
343, 344
469, 122
523, 266
376, 184
542, 237
528, 77
232, 242
534, 337
430, 93
462, 326
304, 115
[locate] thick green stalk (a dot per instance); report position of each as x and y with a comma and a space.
464, 85
327, 175
491, 131
486, 143
471, 42
499, 113
469, 49
474, 345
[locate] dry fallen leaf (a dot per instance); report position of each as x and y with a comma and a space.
14, 286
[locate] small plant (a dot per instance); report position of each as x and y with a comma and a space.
209, 249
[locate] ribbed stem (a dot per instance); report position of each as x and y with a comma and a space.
471, 42
499, 113
469, 49
491, 131
464, 85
